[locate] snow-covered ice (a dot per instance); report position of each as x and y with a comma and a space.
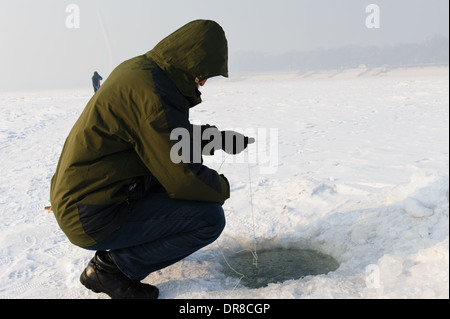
356, 167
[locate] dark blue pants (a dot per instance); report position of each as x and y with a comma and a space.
161, 231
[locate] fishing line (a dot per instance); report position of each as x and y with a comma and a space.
253, 252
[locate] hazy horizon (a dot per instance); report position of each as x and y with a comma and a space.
42, 49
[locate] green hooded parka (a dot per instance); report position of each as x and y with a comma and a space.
121, 142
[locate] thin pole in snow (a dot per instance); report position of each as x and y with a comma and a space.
105, 36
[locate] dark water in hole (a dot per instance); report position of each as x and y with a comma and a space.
278, 265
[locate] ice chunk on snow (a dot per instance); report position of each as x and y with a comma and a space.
416, 208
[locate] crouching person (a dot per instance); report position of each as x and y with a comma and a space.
116, 190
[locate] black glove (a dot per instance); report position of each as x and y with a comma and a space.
234, 142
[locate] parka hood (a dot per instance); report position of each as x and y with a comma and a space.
195, 52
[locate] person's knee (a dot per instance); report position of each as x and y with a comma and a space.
217, 218
219, 215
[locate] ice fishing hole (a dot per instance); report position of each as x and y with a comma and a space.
276, 265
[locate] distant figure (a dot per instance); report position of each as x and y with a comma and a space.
96, 81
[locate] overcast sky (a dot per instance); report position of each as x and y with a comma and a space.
39, 50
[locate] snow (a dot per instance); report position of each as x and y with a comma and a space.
352, 165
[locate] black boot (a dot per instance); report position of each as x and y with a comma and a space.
102, 275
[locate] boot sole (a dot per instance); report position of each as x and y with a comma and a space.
93, 286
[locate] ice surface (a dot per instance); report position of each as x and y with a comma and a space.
358, 170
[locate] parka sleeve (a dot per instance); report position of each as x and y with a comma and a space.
188, 179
